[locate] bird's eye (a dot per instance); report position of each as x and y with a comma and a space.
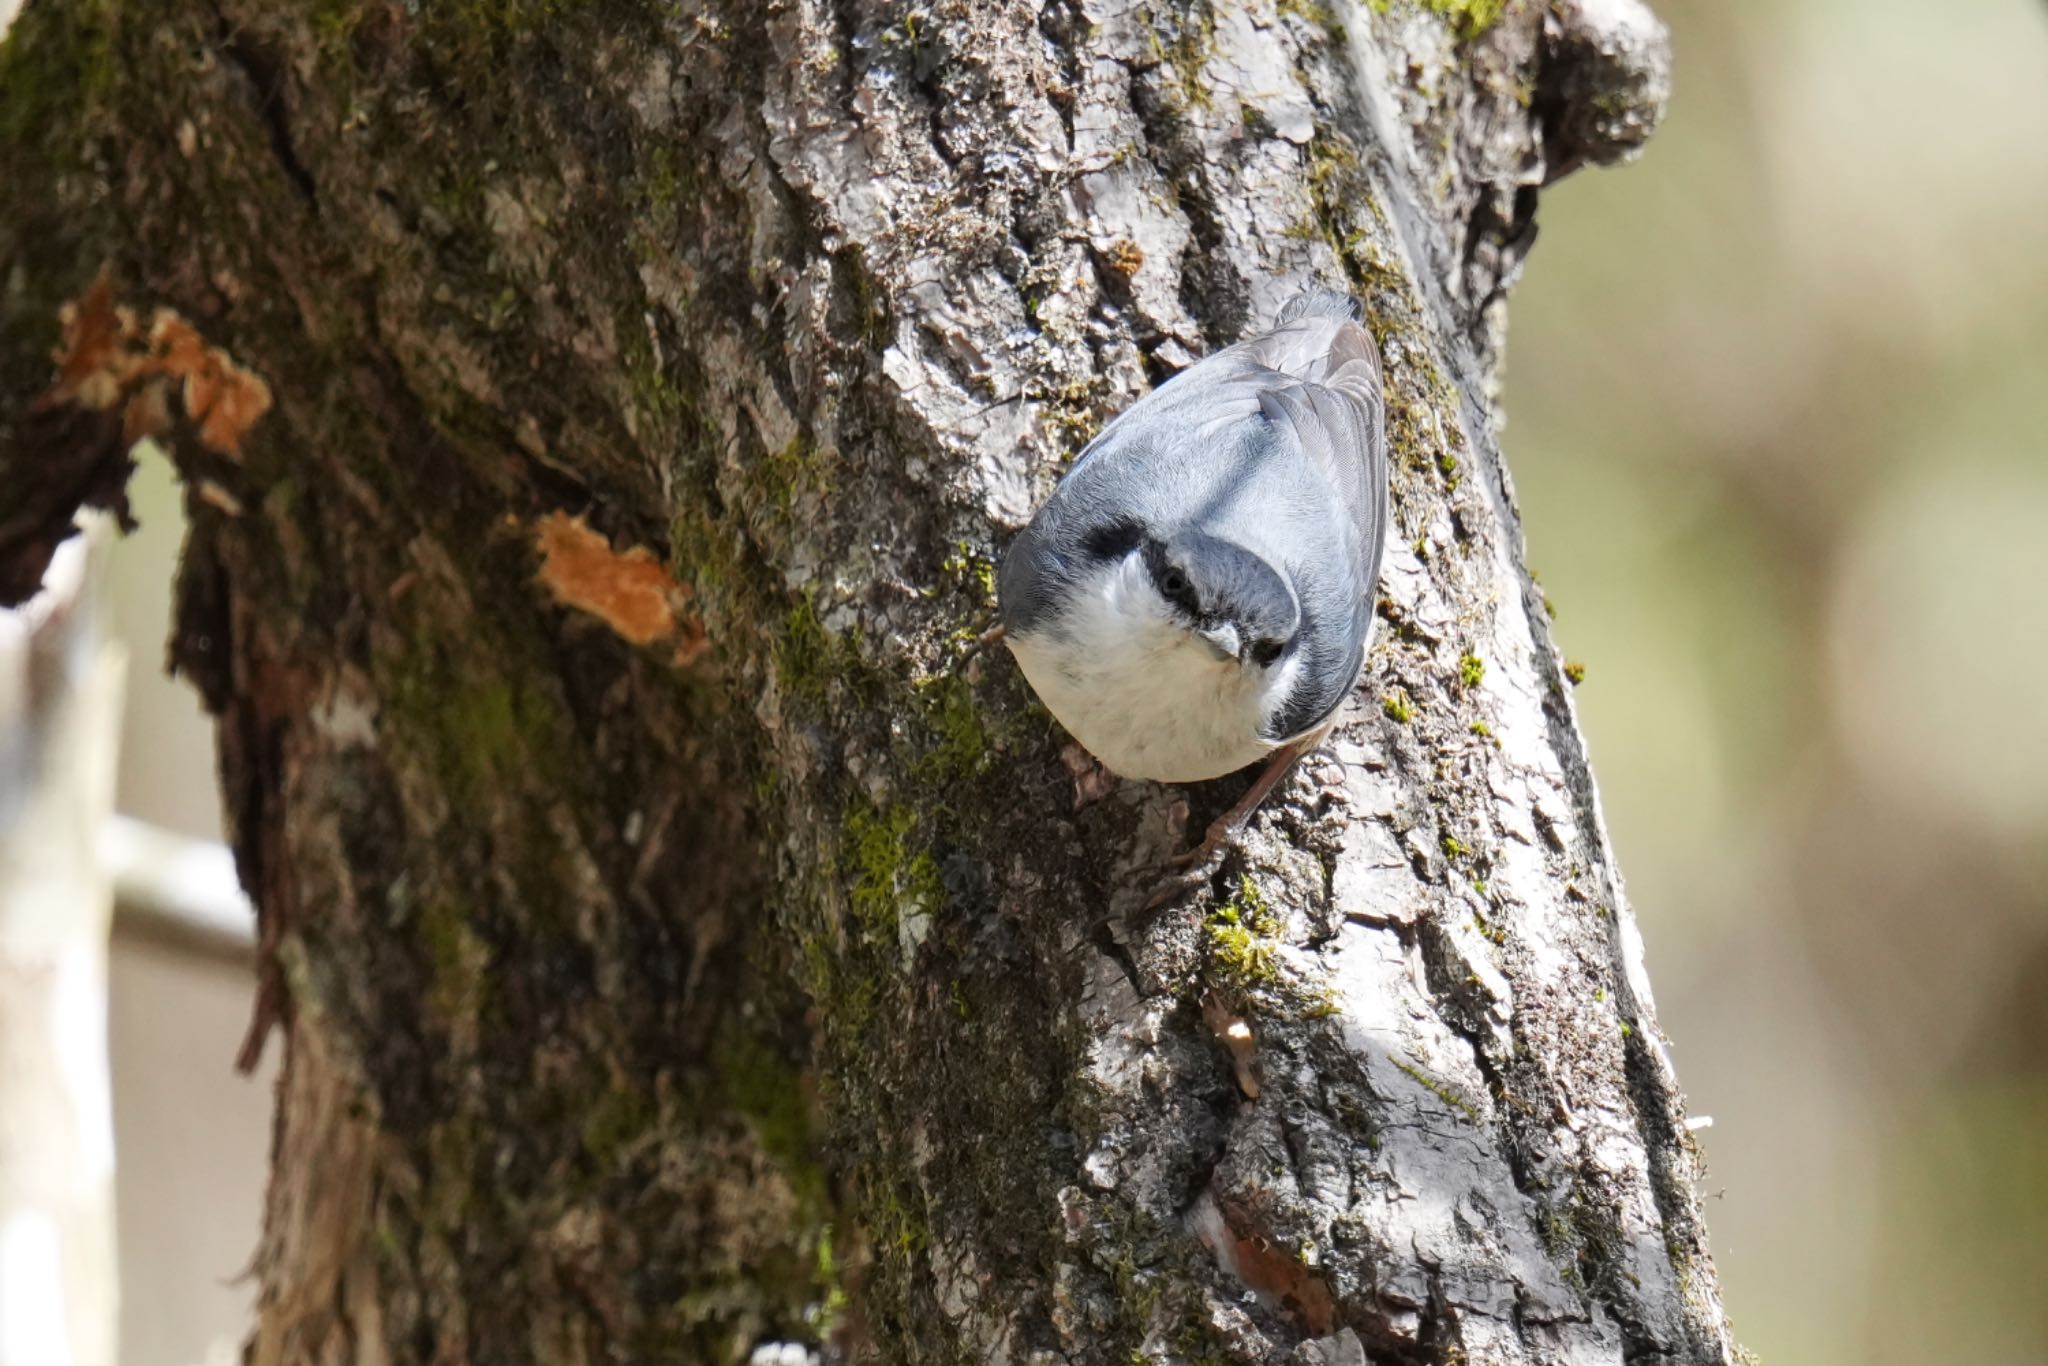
1173, 583
1266, 651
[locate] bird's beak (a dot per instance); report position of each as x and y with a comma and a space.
1223, 640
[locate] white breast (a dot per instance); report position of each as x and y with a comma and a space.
1140, 693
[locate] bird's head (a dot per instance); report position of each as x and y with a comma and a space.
1228, 598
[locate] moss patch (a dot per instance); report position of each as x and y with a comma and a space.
1243, 939
959, 746
804, 654
886, 868
1469, 18
763, 1084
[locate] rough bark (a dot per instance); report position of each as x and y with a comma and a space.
677, 946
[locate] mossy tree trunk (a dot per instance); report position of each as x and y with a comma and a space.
600, 422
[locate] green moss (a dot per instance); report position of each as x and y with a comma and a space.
1243, 939
855, 283
660, 402
963, 747
1187, 54
845, 996
1554, 1233
1337, 182
1471, 668
1454, 848
458, 957
829, 1275
499, 728
613, 1122
960, 748
1595, 1233
884, 867
1072, 411
480, 30
971, 572
811, 660
1321, 1003
663, 178
763, 1084
710, 555
1481, 729
1237, 954
1440, 1090
898, 1229
1313, 12
804, 654
285, 522
390, 1247
334, 23
1574, 672
1469, 18
1397, 707
477, 732
57, 69
799, 467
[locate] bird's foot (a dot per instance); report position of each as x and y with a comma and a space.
1092, 782
1185, 872
1190, 870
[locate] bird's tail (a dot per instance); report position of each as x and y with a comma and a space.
1321, 303
1317, 336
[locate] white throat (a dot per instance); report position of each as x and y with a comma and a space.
1140, 692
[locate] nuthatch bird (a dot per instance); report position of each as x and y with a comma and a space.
1197, 593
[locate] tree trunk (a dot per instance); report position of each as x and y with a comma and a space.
600, 423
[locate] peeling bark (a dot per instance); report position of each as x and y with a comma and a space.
647, 1001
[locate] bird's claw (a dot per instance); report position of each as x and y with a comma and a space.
1202, 855
1185, 872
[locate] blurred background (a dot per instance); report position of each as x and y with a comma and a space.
1776, 411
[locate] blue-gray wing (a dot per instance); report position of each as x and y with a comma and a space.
1322, 412
1331, 402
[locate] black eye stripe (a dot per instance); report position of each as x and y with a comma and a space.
1113, 540
1171, 580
